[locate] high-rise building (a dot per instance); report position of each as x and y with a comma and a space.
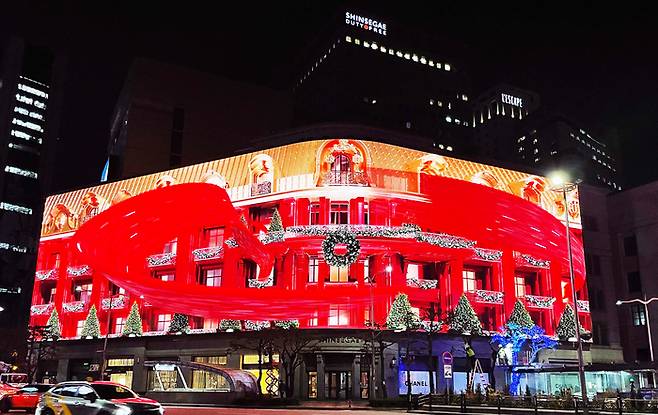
168, 116
367, 70
30, 96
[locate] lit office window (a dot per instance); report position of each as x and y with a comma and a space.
211, 277
162, 322
339, 315
78, 327
637, 313
469, 281
313, 269
21, 172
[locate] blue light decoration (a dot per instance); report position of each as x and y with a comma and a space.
518, 336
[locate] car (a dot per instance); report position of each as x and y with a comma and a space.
17, 380
95, 398
25, 398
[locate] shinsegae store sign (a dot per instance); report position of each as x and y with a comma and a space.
365, 23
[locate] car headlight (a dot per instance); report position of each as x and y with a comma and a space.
123, 410
161, 409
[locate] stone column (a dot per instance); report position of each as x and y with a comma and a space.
320, 370
356, 377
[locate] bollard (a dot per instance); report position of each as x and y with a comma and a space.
620, 405
534, 398
463, 403
499, 402
575, 405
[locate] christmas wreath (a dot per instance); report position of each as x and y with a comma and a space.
333, 239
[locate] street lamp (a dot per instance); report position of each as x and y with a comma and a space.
371, 317
560, 183
645, 303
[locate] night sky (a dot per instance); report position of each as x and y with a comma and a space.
598, 66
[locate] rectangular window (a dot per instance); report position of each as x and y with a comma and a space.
313, 268
314, 214
164, 276
54, 260
214, 236
116, 290
82, 291
469, 281
339, 315
313, 322
170, 247
78, 327
162, 322
366, 269
519, 286
339, 214
630, 246
211, 277
366, 214
638, 316
338, 274
600, 334
634, 282
119, 322
414, 271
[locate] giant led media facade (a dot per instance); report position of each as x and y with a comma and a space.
317, 234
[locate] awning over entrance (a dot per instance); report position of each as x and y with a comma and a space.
238, 380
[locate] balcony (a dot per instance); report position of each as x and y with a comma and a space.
422, 284
538, 301
583, 306
208, 254
42, 309
73, 307
114, 303
79, 271
161, 260
487, 297
50, 274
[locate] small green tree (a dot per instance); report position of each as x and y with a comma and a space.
133, 326
520, 316
179, 324
401, 316
53, 329
92, 327
464, 319
566, 328
276, 225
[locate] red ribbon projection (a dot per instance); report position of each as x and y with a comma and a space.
117, 242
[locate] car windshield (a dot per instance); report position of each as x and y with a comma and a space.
35, 388
113, 392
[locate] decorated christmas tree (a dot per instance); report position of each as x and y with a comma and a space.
53, 329
276, 225
401, 316
464, 319
179, 324
566, 328
520, 316
91, 328
229, 325
133, 326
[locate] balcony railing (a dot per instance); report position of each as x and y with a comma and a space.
422, 284
209, 253
161, 260
79, 271
50, 274
538, 301
583, 306
261, 188
528, 260
73, 307
114, 303
488, 297
343, 178
41, 309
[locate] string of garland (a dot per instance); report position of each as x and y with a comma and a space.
536, 262
226, 325
262, 284
333, 239
256, 325
286, 324
540, 302
208, 253
422, 284
45, 275
41, 309
488, 254
163, 259
73, 307
79, 271
114, 302
491, 297
231, 243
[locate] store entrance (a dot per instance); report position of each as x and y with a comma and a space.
339, 385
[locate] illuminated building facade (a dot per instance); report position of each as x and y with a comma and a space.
363, 221
30, 95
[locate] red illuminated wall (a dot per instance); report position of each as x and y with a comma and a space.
495, 234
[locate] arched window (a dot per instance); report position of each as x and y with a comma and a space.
341, 169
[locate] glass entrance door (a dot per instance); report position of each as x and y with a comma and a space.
339, 385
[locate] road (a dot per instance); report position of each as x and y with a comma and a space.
254, 411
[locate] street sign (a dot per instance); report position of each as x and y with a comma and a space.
447, 371
447, 358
